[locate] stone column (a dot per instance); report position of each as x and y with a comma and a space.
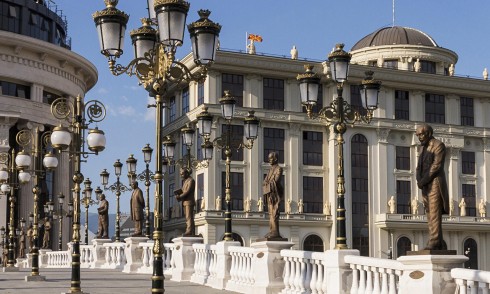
223, 264
430, 274
268, 266
453, 178
134, 254
184, 257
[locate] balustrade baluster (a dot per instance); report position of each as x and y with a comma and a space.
314, 276
355, 279
369, 280
362, 280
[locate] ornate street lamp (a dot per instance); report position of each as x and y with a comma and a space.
117, 188
79, 115
147, 176
157, 69
87, 201
187, 161
21, 163
338, 114
228, 143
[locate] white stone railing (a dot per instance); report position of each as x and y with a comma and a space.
471, 281
147, 258
58, 259
241, 272
374, 275
168, 260
114, 255
86, 255
304, 272
205, 255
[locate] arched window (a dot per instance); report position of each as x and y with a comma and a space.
313, 243
402, 246
236, 237
360, 194
470, 250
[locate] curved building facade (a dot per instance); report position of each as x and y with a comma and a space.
36, 67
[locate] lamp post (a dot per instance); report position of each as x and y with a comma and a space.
21, 162
59, 214
117, 188
87, 201
79, 116
227, 143
338, 114
147, 176
157, 70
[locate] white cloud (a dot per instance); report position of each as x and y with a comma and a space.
102, 91
126, 110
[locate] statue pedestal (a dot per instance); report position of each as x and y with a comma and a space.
184, 257
9, 269
269, 266
38, 278
43, 258
134, 254
100, 252
21, 262
430, 274
223, 266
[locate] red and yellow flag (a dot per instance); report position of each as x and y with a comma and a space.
255, 38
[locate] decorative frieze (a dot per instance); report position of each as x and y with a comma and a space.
383, 135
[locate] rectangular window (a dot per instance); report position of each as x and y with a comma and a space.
236, 134
467, 112
319, 102
469, 195
356, 101
403, 192
9, 17
200, 191
200, 93
16, 90
427, 66
48, 97
468, 162
273, 94
171, 199
236, 186
274, 141
312, 148
402, 106
172, 115
393, 64
234, 84
313, 194
185, 100
402, 158
435, 109
199, 148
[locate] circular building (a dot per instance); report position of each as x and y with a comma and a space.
404, 48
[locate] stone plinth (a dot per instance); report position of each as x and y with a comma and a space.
184, 257
268, 266
338, 273
134, 254
8, 269
43, 258
223, 264
429, 274
100, 251
38, 278
21, 263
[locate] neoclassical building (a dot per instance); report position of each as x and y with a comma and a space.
36, 67
419, 85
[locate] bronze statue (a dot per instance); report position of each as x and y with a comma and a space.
47, 231
103, 211
30, 238
432, 180
137, 205
22, 241
273, 195
186, 195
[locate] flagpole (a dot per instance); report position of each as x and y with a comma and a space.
246, 41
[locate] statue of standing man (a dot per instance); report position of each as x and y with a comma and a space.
431, 179
273, 194
186, 195
103, 211
137, 204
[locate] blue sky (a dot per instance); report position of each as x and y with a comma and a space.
313, 26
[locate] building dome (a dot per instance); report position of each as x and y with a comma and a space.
395, 36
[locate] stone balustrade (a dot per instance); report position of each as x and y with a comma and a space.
374, 275
471, 281
58, 259
114, 255
271, 267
